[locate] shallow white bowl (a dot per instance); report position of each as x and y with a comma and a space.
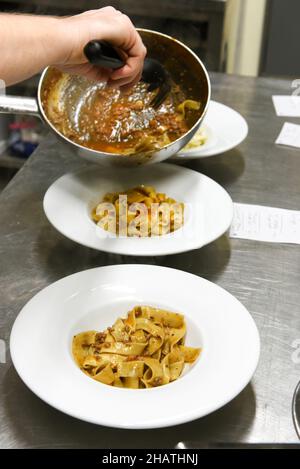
41, 338
208, 212
225, 129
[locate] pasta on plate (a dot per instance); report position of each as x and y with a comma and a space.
140, 211
144, 350
198, 140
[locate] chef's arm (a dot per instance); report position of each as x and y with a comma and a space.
29, 43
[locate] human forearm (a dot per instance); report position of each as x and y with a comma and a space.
28, 44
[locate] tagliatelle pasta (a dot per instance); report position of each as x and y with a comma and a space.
188, 104
197, 141
140, 211
144, 350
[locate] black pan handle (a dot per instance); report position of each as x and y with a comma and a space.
102, 54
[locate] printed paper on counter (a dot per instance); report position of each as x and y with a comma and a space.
289, 135
268, 224
287, 106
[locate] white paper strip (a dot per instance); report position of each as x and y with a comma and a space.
2, 87
261, 223
288, 106
289, 135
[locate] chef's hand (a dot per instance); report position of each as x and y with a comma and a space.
112, 26
30, 43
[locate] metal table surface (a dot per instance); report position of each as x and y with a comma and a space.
264, 277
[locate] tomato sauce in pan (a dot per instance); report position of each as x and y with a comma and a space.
125, 120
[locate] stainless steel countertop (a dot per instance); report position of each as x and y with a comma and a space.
264, 277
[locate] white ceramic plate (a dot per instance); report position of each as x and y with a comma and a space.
41, 338
224, 128
208, 212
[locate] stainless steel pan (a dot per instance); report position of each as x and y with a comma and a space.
186, 69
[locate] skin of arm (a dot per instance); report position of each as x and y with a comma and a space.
30, 43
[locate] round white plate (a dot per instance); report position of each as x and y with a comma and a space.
224, 128
208, 208
41, 338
